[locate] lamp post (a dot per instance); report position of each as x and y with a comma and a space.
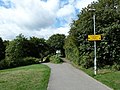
95, 63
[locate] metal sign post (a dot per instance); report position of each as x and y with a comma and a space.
95, 63
94, 38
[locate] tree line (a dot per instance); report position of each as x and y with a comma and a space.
77, 47
23, 51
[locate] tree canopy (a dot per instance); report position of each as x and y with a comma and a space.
23, 51
107, 14
2, 49
56, 42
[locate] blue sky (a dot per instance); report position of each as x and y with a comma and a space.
40, 18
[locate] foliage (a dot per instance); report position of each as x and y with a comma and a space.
32, 77
23, 51
3, 64
6, 43
71, 50
78, 48
30, 60
39, 48
56, 41
86, 61
55, 59
2, 49
16, 50
106, 76
47, 58
116, 66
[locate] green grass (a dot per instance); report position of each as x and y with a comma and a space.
111, 79
108, 77
32, 77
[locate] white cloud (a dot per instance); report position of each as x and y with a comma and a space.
36, 17
52, 5
50, 31
83, 3
65, 11
29, 14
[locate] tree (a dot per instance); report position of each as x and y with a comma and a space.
107, 24
56, 41
6, 43
2, 49
17, 50
71, 49
39, 47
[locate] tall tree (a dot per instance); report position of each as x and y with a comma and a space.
39, 47
56, 41
2, 49
107, 24
16, 50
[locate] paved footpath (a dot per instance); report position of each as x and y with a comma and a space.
66, 77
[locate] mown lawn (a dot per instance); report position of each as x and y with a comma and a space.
32, 77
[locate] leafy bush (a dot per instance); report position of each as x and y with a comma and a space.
86, 62
25, 61
3, 64
19, 62
116, 66
55, 59
30, 60
71, 50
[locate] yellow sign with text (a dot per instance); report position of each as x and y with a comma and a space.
94, 37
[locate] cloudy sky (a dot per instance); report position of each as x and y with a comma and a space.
40, 18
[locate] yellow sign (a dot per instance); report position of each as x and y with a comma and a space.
94, 37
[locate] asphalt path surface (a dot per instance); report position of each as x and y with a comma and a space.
66, 77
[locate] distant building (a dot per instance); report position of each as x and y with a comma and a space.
58, 52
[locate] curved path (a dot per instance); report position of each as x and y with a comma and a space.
66, 77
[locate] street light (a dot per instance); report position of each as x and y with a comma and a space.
95, 63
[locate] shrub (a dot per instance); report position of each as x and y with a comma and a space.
86, 62
55, 59
116, 66
107, 67
3, 64
30, 60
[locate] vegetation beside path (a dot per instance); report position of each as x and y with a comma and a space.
32, 77
106, 76
109, 77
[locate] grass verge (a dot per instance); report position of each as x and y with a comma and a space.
106, 76
32, 77
111, 79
